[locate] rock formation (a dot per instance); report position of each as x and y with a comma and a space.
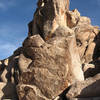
59, 60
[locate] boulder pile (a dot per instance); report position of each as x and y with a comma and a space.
59, 59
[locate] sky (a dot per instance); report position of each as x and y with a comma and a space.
16, 14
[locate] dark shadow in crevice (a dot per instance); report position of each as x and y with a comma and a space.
9, 88
63, 94
93, 90
9, 92
96, 59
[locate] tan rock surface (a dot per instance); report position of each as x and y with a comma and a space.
54, 65
59, 45
88, 88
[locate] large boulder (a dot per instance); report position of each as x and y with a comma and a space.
61, 48
55, 65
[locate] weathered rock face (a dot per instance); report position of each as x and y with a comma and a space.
88, 88
61, 49
54, 64
49, 15
51, 69
8, 91
9, 74
9, 68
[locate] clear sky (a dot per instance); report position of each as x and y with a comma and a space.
16, 14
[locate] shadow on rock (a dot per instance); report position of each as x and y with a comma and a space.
8, 91
96, 59
93, 90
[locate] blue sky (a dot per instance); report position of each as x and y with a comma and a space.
16, 14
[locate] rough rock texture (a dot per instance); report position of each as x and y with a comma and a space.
48, 17
57, 61
9, 76
90, 98
51, 69
7, 91
88, 88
